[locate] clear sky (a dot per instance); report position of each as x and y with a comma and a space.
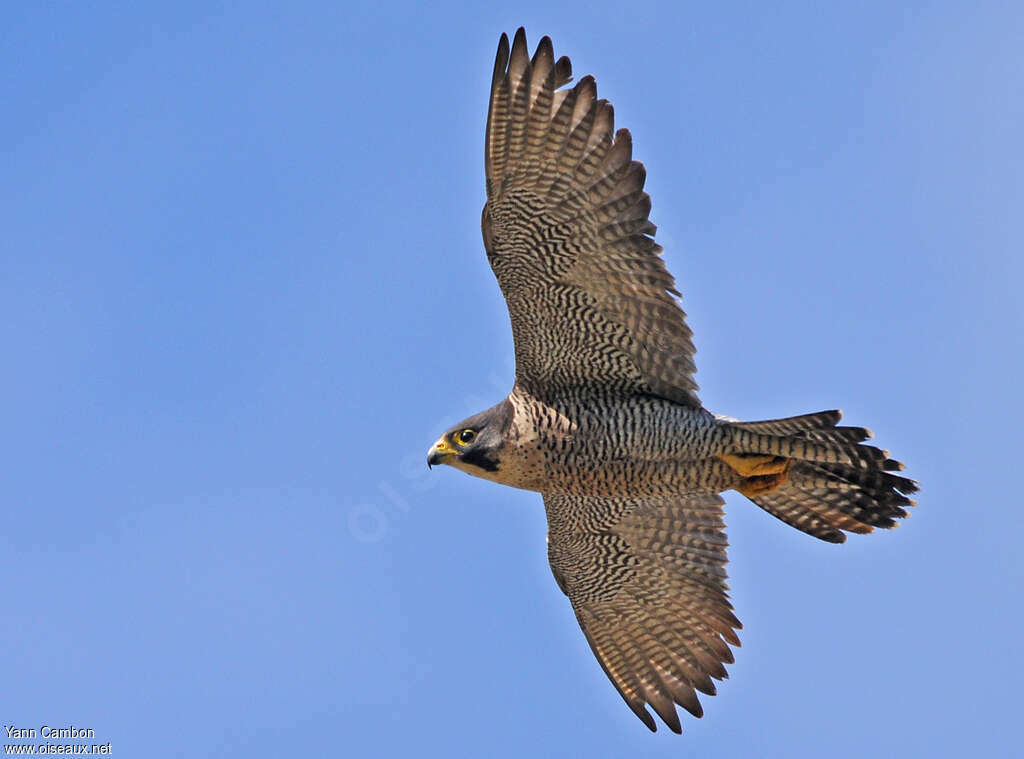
242, 289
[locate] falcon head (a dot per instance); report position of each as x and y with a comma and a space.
474, 445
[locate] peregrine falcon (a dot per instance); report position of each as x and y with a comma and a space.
603, 419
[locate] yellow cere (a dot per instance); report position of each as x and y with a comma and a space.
444, 447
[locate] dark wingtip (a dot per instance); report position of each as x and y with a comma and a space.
645, 716
544, 47
519, 57
500, 60
519, 40
669, 715
563, 71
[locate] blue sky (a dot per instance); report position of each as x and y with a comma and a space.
242, 289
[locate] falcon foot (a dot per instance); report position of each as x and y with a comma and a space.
755, 464
761, 474
763, 483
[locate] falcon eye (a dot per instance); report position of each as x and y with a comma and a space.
465, 437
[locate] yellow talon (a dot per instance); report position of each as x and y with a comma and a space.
761, 484
755, 464
761, 474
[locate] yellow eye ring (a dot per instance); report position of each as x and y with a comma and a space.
465, 437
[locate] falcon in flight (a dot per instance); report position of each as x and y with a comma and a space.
603, 419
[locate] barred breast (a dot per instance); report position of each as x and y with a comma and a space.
609, 445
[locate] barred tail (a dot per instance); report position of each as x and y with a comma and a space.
833, 484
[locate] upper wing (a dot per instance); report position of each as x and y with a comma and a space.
646, 578
567, 234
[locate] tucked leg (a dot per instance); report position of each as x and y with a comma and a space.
761, 474
755, 464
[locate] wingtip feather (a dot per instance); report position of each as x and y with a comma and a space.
500, 60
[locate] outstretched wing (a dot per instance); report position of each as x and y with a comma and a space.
646, 578
567, 234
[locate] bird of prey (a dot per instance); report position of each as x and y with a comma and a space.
603, 418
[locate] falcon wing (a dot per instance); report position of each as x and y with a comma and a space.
567, 235
646, 578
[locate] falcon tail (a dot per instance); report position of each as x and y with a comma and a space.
818, 477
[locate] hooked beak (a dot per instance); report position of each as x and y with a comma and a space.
439, 452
